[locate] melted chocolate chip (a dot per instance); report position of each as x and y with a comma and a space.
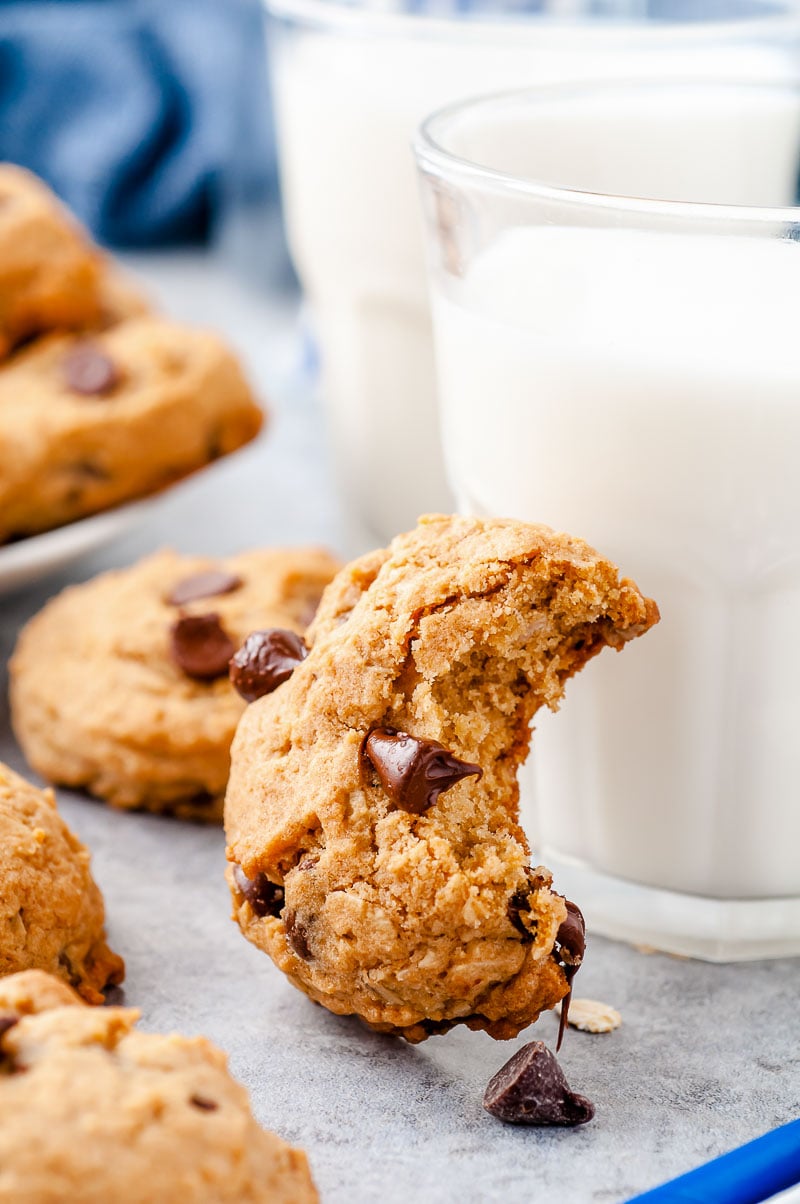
266, 898
203, 585
296, 935
520, 902
201, 646
203, 1103
6, 1022
265, 660
531, 1090
569, 950
88, 370
414, 772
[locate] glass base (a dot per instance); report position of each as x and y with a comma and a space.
714, 930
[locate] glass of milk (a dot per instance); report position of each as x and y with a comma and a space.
352, 81
615, 275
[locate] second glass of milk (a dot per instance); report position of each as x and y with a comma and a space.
352, 81
616, 289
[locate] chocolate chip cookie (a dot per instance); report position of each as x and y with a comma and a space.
372, 806
93, 1111
50, 274
86, 423
51, 911
120, 685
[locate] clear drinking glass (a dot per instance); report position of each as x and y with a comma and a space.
351, 82
628, 369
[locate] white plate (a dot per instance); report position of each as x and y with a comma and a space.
29, 559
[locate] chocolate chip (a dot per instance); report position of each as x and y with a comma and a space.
114, 996
203, 585
88, 470
296, 935
520, 901
571, 936
265, 897
203, 1103
6, 1022
265, 660
414, 772
569, 949
531, 1090
88, 370
201, 646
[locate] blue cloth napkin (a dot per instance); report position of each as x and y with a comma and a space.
146, 116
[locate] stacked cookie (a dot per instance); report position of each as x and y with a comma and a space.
101, 401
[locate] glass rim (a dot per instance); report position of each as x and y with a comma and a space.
432, 154
338, 15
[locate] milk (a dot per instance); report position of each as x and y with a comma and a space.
347, 107
642, 390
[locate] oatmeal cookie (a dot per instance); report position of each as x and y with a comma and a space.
51, 911
86, 423
93, 1111
50, 274
120, 685
372, 806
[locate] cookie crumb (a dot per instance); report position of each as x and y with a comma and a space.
592, 1016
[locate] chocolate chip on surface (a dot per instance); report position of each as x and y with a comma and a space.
201, 647
531, 1090
265, 660
207, 584
569, 950
296, 935
90, 371
203, 1103
412, 771
265, 897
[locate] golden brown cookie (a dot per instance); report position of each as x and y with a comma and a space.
120, 685
372, 807
49, 271
51, 911
93, 1111
86, 423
